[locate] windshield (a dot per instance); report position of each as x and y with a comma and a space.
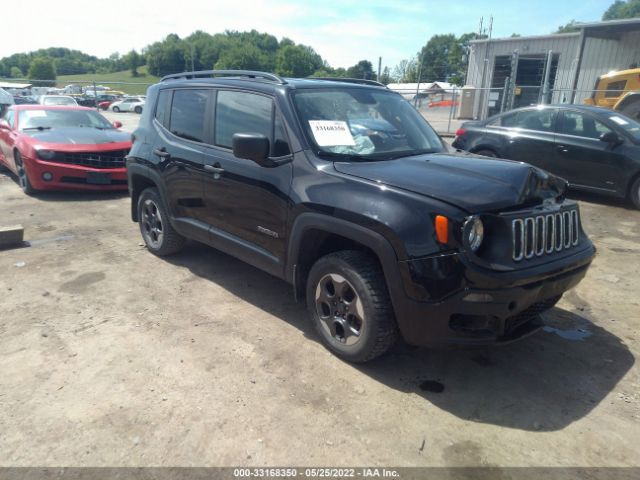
632, 127
40, 119
363, 123
58, 101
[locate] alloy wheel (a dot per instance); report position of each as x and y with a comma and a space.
152, 227
340, 309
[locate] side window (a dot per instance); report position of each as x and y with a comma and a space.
581, 125
539, 120
241, 112
614, 89
188, 114
162, 105
507, 120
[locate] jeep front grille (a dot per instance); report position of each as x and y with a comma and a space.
544, 234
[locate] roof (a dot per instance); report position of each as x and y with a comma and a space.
528, 38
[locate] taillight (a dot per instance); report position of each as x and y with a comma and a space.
460, 132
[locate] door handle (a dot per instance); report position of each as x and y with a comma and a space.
161, 152
214, 168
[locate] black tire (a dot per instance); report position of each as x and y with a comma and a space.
116, 109
363, 293
138, 110
634, 193
157, 232
632, 110
23, 175
486, 153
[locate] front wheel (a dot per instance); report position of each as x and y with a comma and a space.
159, 235
138, 110
23, 175
350, 305
116, 109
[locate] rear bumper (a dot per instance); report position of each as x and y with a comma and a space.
74, 177
501, 309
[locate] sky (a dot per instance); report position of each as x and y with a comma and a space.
341, 31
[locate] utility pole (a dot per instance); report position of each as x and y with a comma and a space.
379, 67
192, 55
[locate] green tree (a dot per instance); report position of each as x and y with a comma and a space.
42, 68
362, 69
15, 72
242, 56
132, 60
622, 9
385, 77
568, 28
297, 61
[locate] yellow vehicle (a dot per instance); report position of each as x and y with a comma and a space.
618, 91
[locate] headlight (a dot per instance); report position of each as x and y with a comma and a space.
46, 154
474, 232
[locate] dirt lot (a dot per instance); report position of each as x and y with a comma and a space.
111, 356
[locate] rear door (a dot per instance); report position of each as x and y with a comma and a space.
583, 159
529, 137
8, 139
180, 148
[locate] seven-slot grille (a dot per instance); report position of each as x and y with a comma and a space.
544, 234
112, 159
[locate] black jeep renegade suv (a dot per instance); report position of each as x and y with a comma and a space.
342, 189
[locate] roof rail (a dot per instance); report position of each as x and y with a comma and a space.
360, 81
237, 73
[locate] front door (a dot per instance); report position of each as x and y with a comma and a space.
582, 158
242, 198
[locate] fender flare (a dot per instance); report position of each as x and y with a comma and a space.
136, 169
365, 236
626, 99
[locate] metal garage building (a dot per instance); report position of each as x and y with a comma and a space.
559, 68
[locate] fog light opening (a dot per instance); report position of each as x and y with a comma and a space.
47, 176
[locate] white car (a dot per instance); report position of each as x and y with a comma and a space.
132, 104
58, 100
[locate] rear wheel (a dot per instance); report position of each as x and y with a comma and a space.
350, 306
23, 176
116, 109
159, 236
634, 193
487, 153
632, 110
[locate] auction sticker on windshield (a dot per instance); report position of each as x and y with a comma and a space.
331, 133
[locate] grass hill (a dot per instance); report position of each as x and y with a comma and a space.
138, 87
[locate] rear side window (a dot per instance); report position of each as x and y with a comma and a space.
162, 105
188, 114
540, 120
241, 112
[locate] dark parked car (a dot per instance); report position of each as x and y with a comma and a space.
342, 189
594, 149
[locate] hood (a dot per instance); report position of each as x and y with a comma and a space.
472, 183
78, 136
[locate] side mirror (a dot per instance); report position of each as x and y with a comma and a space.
611, 138
251, 146
4, 125
117, 124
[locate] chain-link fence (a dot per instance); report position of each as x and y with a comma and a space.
446, 110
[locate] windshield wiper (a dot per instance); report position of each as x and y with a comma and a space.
37, 128
348, 156
411, 153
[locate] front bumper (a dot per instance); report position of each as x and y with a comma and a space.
500, 308
74, 177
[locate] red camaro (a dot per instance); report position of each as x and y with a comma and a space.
63, 148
